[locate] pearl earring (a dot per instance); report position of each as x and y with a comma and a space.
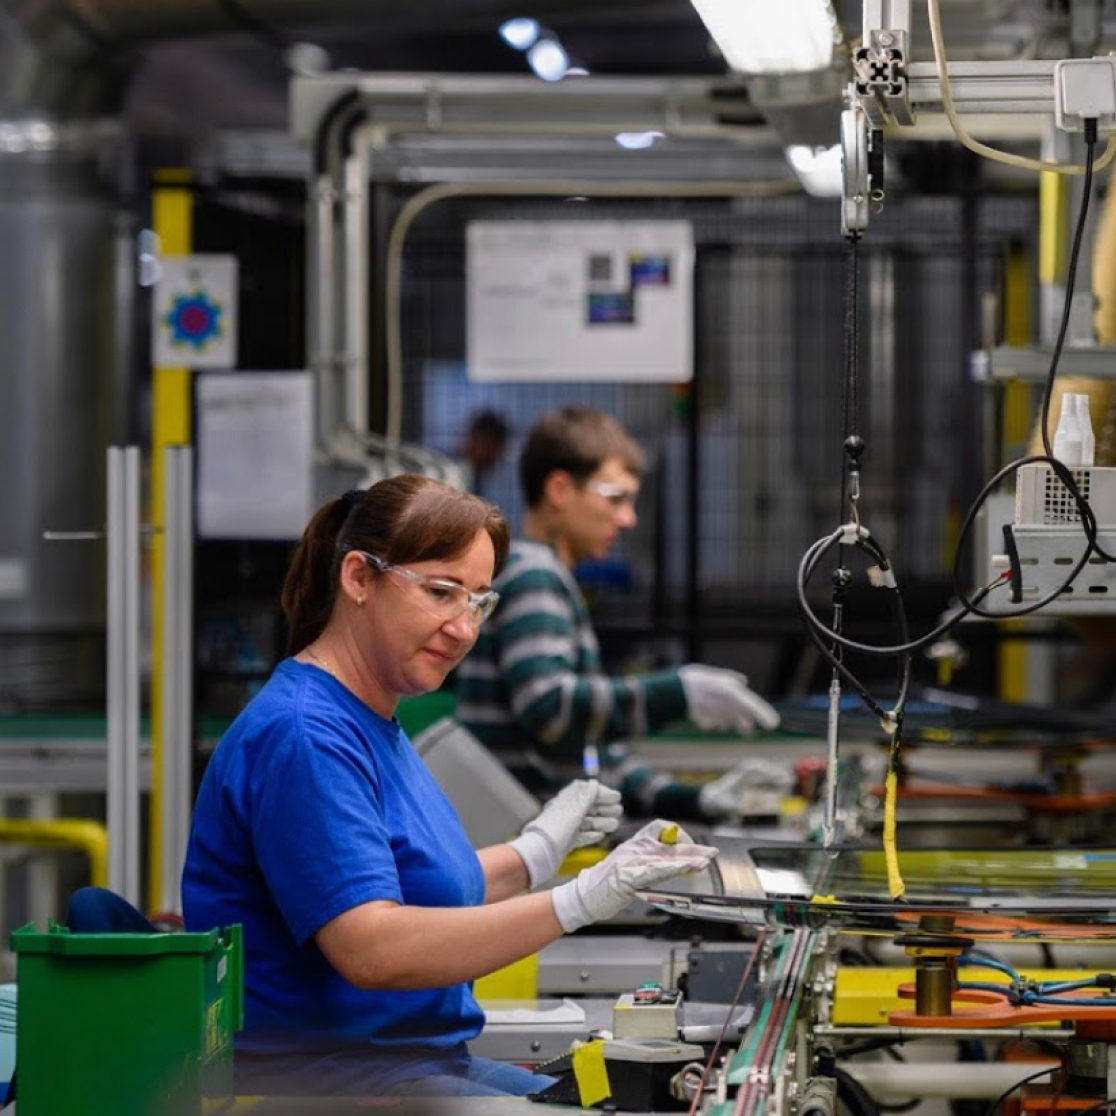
360, 601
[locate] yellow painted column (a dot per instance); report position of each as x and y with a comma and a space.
1011, 660
172, 211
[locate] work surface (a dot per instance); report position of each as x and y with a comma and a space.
427, 1106
389, 1106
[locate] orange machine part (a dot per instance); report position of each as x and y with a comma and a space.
981, 1007
1036, 803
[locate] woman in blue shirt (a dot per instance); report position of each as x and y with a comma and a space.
366, 913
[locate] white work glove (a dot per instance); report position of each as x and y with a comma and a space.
580, 814
720, 699
721, 797
642, 861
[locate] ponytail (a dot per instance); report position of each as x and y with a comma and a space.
310, 586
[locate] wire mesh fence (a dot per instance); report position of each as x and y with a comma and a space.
755, 441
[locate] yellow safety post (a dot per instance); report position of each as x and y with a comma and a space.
172, 211
71, 833
1011, 655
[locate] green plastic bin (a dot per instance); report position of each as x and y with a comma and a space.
127, 1024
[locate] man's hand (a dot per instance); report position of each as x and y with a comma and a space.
721, 699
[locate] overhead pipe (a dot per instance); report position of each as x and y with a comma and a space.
71, 52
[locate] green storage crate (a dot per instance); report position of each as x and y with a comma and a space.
127, 1024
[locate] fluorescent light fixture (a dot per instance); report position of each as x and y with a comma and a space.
549, 60
817, 168
520, 33
637, 141
771, 36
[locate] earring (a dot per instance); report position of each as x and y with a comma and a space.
360, 601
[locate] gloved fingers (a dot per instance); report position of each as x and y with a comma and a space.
653, 830
718, 801
654, 869
598, 827
711, 673
734, 781
594, 830
732, 675
602, 816
755, 713
607, 797
611, 811
582, 792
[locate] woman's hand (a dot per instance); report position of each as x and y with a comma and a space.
603, 891
581, 814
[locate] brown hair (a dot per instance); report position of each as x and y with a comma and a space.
408, 518
577, 440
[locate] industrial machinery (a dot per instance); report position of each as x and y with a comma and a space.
976, 979
978, 932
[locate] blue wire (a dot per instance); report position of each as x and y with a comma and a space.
988, 963
1048, 988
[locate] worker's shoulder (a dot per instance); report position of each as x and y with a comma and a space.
530, 564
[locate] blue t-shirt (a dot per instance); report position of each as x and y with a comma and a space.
313, 804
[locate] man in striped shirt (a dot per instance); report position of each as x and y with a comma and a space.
533, 689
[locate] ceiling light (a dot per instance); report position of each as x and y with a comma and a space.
637, 141
817, 168
549, 60
519, 33
762, 37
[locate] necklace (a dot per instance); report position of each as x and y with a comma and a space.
322, 663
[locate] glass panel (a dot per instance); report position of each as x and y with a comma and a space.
1027, 894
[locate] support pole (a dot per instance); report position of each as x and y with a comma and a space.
176, 729
123, 682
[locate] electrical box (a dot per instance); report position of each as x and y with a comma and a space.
650, 1012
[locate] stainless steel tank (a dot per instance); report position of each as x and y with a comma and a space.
58, 378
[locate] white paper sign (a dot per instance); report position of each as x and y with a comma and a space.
255, 454
194, 313
580, 300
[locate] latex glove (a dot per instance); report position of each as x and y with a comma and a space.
721, 797
581, 814
720, 699
642, 861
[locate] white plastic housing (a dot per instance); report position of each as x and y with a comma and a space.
1050, 541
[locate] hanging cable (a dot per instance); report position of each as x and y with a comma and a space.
830, 641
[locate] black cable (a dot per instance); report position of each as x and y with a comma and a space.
854, 1096
1023, 1081
1071, 278
249, 21
829, 640
869, 1046
850, 401
901, 1106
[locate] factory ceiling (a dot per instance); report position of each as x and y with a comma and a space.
183, 69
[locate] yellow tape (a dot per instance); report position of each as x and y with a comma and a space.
895, 886
591, 1074
517, 981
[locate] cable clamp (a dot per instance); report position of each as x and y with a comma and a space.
881, 578
852, 533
